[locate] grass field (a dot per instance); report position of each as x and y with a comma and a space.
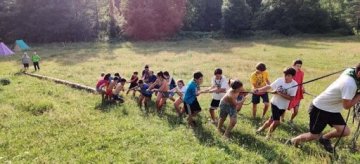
44, 122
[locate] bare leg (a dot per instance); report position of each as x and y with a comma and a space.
282, 117
212, 115
230, 127
158, 99
336, 133
272, 128
266, 107
294, 114
177, 104
305, 137
265, 125
254, 110
220, 124
162, 103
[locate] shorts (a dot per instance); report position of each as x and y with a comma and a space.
256, 98
165, 94
276, 112
227, 109
26, 65
171, 94
192, 108
99, 90
146, 95
320, 118
132, 85
214, 104
118, 97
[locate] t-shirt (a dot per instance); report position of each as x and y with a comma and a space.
190, 93
144, 90
280, 85
331, 99
172, 83
152, 79
145, 75
101, 83
26, 60
35, 58
222, 83
134, 79
259, 79
299, 77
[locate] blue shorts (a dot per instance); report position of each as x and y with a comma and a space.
256, 98
227, 109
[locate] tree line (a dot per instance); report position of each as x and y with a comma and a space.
87, 20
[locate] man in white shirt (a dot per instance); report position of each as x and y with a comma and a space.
285, 89
326, 109
219, 85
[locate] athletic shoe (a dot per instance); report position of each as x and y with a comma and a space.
327, 144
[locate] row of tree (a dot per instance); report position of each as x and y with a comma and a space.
85, 20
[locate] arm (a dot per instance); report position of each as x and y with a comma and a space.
262, 89
153, 85
347, 104
285, 96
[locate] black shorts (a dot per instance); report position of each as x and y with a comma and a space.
192, 108
214, 104
132, 85
26, 65
146, 95
256, 98
276, 112
320, 118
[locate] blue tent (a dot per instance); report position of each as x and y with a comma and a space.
20, 45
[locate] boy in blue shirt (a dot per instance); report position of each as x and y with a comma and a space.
191, 104
145, 96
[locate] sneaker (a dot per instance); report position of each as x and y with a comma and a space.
327, 144
290, 143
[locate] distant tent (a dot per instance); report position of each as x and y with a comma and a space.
4, 50
20, 45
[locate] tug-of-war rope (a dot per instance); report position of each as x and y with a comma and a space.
356, 108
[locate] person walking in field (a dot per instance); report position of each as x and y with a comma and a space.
26, 61
35, 58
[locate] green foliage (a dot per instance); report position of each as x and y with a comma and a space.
290, 17
203, 15
52, 20
237, 17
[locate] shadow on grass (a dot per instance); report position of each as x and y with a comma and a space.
206, 138
108, 106
250, 143
293, 129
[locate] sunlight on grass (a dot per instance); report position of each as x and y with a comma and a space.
44, 122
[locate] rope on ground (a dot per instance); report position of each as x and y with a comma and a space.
59, 81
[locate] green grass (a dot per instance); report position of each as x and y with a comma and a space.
43, 122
